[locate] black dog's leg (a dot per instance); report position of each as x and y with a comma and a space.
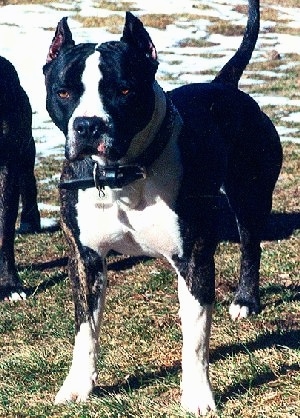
30, 216
247, 299
196, 292
253, 168
252, 206
10, 286
87, 271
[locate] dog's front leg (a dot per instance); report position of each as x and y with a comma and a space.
196, 296
196, 392
88, 276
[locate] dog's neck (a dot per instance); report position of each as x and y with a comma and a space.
143, 139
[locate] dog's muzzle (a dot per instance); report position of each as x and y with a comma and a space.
113, 176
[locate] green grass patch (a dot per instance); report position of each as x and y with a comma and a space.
254, 363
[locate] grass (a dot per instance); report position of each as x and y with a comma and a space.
113, 22
255, 363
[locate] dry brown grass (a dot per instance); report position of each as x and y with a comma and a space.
282, 3
113, 22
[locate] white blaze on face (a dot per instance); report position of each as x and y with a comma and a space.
90, 103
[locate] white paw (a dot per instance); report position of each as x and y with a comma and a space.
75, 389
238, 311
15, 296
198, 400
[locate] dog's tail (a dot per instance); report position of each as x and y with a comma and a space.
233, 70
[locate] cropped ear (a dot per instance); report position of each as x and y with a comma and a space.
62, 39
135, 34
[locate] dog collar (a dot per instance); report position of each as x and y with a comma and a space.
155, 148
113, 176
117, 176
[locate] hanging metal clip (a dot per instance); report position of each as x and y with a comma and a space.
116, 176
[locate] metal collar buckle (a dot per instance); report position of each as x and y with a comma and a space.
116, 176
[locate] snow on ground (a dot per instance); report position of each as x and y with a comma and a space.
26, 32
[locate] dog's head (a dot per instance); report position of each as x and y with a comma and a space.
102, 96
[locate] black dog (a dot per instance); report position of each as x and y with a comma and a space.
17, 178
142, 176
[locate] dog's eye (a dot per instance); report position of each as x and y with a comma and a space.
125, 92
63, 93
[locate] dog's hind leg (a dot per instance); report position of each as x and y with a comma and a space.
251, 202
247, 299
251, 214
88, 276
254, 164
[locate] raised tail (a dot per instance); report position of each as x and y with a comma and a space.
233, 70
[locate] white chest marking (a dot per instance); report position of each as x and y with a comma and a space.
146, 230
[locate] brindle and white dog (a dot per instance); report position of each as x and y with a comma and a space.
17, 179
156, 162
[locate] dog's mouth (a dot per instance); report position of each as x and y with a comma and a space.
104, 155
91, 136
101, 148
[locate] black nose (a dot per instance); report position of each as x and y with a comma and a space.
89, 127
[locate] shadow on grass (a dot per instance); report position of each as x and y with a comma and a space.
45, 265
47, 284
243, 386
289, 339
288, 294
126, 263
138, 381
279, 226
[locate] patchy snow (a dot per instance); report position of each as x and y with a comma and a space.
293, 117
275, 100
49, 223
50, 208
26, 32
